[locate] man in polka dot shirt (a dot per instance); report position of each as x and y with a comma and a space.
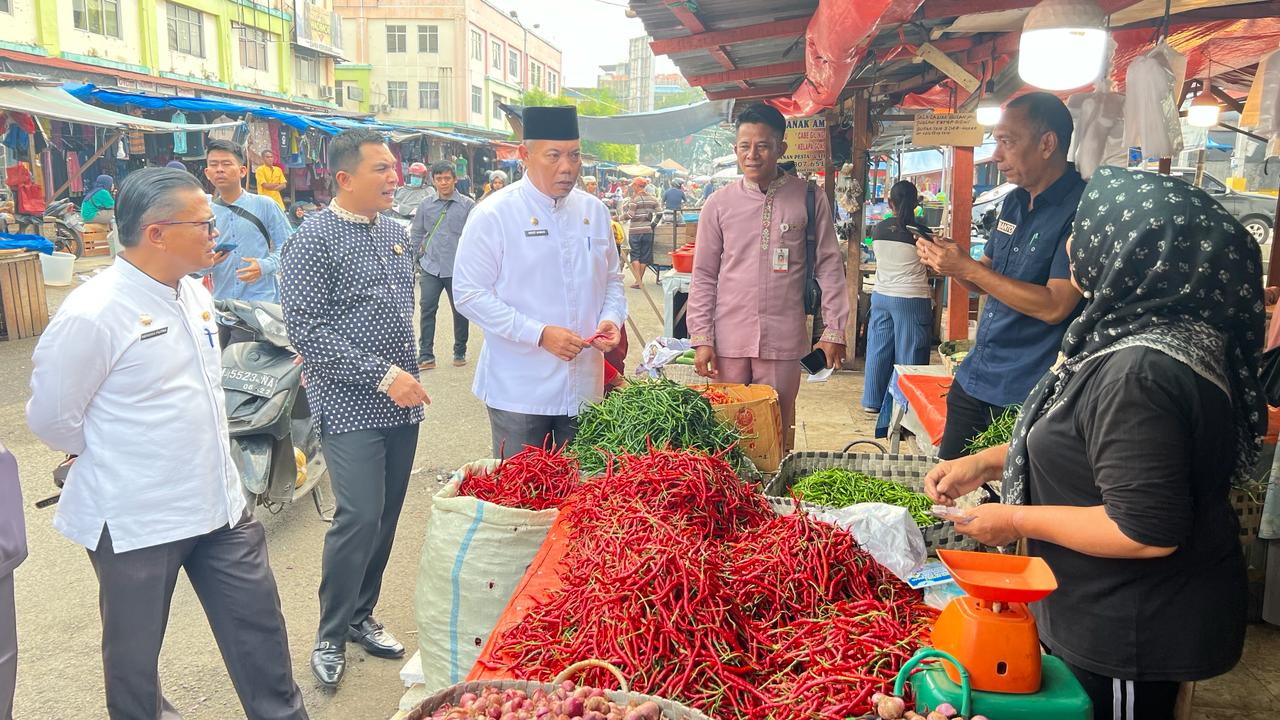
347, 287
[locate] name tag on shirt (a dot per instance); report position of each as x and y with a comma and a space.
154, 333
1006, 227
780, 259
535, 233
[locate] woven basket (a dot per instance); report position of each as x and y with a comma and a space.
671, 710
1248, 507
682, 374
906, 470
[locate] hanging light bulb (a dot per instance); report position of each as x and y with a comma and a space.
989, 109
1204, 110
1063, 44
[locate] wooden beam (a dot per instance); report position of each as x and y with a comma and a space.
109, 144
1003, 44
949, 67
759, 91
1226, 99
751, 73
1249, 11
861, 115
718, 54
960, 195
937, 9
720, 38
680, 8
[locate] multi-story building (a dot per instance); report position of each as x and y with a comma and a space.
445, 63
280, 52
640, 73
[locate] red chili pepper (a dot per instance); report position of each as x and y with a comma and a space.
533, 479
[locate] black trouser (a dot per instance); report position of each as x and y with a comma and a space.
967, 417
1116, 699
229, 570
369, 472
513, 431
431, 286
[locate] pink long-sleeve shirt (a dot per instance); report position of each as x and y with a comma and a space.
738, 303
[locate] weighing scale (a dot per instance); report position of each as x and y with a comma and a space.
986, 652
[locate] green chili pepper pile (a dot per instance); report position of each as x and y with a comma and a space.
998, 433
655, 414
839, 488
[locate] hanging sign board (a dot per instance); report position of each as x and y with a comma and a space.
957, 129
807, 143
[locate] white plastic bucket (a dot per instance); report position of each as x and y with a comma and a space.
57, 268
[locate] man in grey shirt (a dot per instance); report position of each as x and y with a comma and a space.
13, 550
435, 231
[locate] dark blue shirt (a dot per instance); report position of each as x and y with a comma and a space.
347, 291
673, 198
1013, 350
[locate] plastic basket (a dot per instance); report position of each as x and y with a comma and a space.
671, 710
906, 470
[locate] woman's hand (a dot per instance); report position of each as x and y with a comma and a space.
991, 524
951, 480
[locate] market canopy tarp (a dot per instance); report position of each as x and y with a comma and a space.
637, 170
51, 101
647, 127
670, 164
301, 123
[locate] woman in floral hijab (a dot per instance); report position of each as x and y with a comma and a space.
1120, 466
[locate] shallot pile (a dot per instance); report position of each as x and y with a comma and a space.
568, 702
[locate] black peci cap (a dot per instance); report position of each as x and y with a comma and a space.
550, 123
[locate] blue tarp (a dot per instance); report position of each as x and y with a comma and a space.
301, 123
25, 241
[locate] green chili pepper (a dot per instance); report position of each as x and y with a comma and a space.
839, 488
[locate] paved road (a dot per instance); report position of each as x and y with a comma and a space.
60, 672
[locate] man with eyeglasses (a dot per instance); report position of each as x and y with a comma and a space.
257, 227
128, 376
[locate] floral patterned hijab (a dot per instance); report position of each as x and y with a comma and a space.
1162, 265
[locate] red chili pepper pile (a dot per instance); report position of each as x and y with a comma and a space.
714, 396
680, 574
533, 479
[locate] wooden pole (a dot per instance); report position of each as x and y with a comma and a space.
961, 196
853, 271
89, 163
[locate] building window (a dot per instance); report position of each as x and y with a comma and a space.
97, 16
428, 39
429, 95
306, 70
396, 38
398, 94
253, 48
4, 6
535, 74
186, 30
495, 55
553, 87
513, 63
497, 111
477, 46
477, 101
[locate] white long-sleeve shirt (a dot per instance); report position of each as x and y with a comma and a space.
128, 375
526, 261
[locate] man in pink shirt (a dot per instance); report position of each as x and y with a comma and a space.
746, 301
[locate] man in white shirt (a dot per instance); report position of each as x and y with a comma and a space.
537, 269
128, 376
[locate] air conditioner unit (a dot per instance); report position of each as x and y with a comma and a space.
384, 108
354, 92
326, 92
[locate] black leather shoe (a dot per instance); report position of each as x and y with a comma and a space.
376, 640
328, 662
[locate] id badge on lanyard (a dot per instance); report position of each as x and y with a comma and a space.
779, 259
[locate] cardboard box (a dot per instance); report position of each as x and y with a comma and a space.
758, 417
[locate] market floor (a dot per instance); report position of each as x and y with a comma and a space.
60, 670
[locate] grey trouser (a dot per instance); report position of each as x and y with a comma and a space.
8, 647
430, 287
512, 431
229, 570
369, 472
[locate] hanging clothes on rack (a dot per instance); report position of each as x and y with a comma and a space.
179, 138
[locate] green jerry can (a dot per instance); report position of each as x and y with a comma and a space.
1060, 696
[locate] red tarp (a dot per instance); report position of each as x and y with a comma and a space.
837, 38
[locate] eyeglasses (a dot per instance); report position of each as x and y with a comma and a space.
210, 225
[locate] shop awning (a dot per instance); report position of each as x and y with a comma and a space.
640, 128
301, 123
51, 101
637, 170
673, 166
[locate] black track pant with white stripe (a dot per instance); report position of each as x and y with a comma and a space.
1116, 699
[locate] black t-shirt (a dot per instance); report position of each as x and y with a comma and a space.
1147, 437
889, 229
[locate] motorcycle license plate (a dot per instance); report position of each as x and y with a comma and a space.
249, 382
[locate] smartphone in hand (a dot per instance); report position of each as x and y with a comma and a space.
815, 362
225, 247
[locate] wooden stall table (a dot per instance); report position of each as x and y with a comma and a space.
24, 312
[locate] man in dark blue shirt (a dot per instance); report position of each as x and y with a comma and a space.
1024, 272
674, 197
348, 304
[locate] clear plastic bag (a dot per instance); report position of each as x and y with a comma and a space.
888, 532
1099, 136
1153, 88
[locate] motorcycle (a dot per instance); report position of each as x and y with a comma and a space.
68, 226
275, 441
